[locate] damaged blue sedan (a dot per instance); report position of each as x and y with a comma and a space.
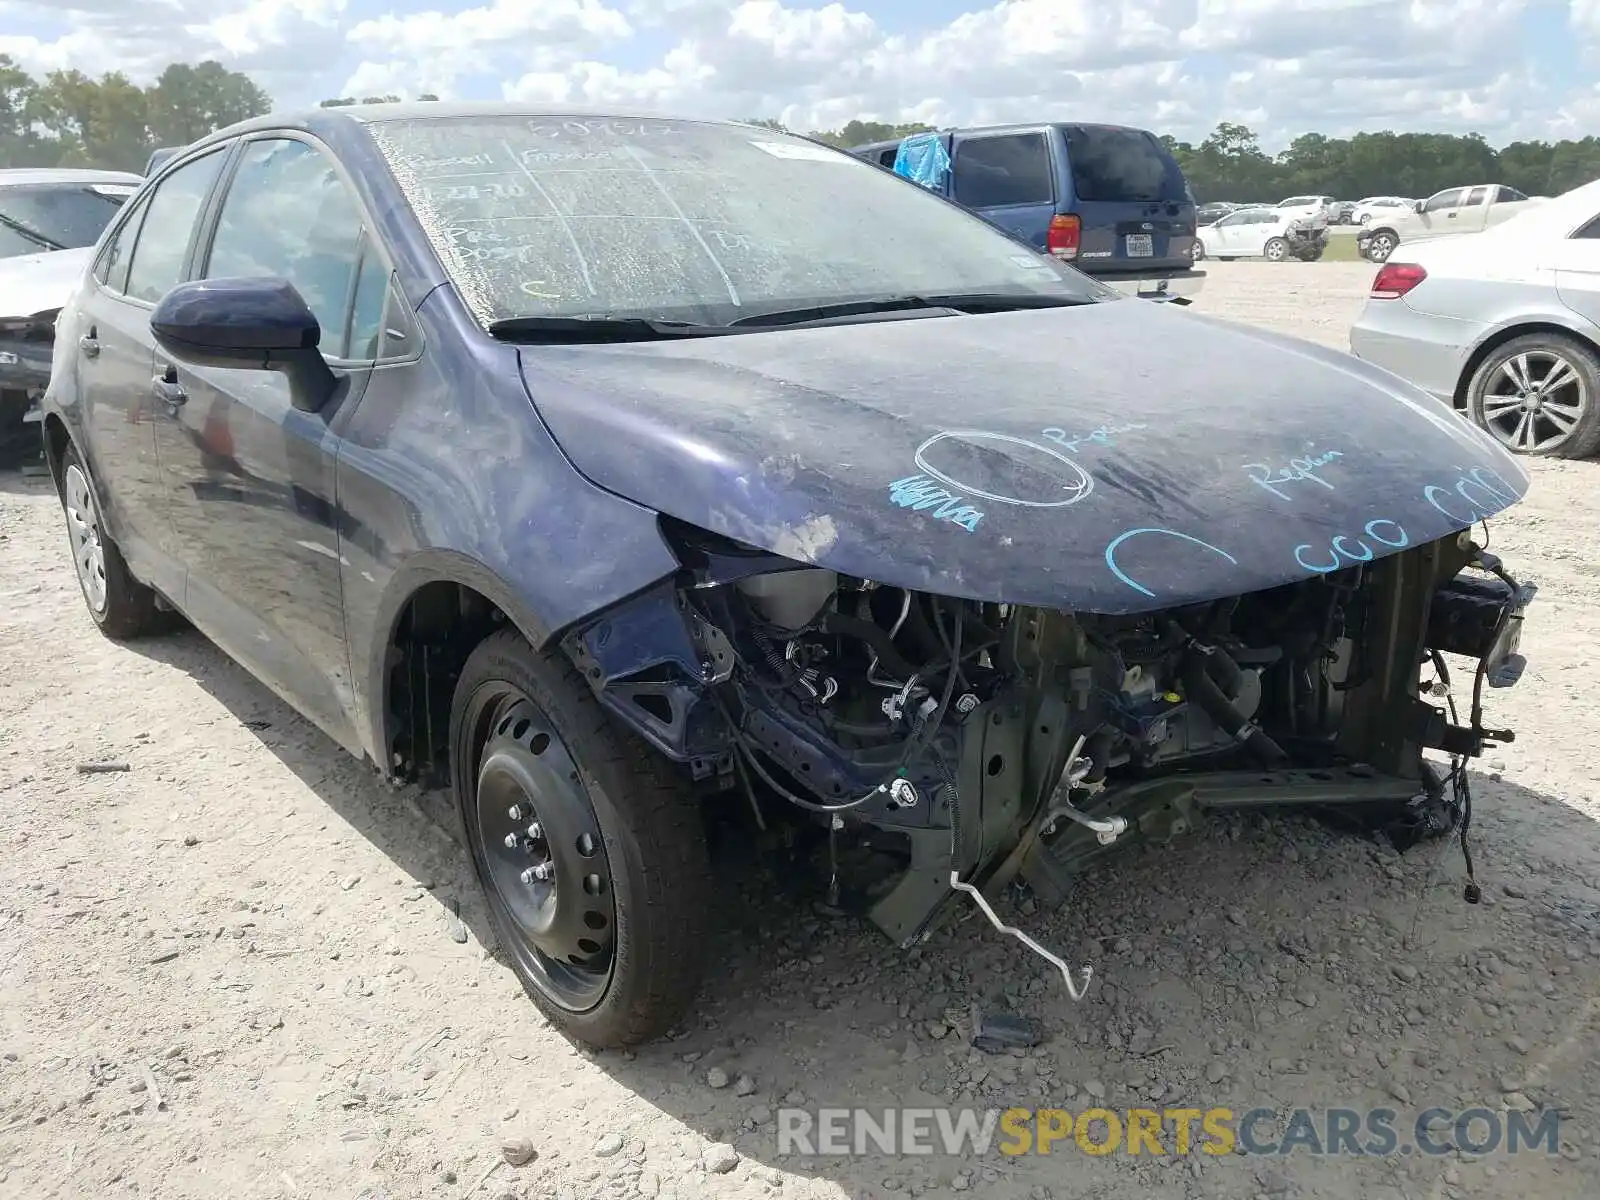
622, 473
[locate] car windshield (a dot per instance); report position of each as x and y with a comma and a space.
35, 218
687, 221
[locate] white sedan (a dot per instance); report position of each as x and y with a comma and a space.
1262, 233
1379, 206
1503, 325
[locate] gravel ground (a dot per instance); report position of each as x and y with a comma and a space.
238, 969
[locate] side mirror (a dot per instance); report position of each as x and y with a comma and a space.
1421, 205
260, 324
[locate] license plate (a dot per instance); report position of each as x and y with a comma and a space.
1139, 245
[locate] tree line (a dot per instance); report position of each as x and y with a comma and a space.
1229, 164
68, 119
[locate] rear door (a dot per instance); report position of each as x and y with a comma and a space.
1131, 196
1008, 179
144, 258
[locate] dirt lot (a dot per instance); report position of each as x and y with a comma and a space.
235, 970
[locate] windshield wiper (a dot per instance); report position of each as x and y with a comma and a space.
961, 302
597, 329
32, 234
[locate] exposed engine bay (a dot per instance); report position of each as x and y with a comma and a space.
992, 741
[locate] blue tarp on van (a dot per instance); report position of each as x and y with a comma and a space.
923, 159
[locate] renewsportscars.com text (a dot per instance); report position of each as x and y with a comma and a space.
966, 1132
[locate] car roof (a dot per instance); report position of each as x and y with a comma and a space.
34, 176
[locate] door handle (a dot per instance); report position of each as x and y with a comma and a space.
169, 391
89, 344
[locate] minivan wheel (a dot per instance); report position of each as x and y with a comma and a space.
1276, 250
592, 862
121, 606
1381, 246
1539, 394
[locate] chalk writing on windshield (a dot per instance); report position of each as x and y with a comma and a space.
1114, 546
1302, 468
1104, 435
1346, 550
1474, 496
1003, 469
919, 493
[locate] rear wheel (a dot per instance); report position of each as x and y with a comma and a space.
1539, 394
1276, 250
593, 863
122, 606
1199, 251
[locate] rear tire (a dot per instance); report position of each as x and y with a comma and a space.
1276, 250
1199, 252
592, 861
121, 606
1562, 421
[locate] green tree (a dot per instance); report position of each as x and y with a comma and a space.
188, 102
859, 133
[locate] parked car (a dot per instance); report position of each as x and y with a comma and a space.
1308, 206
1502, 325
1342, 212
1269, 233
159, 157
1380, 206
1107, 198
48, 218
1205, 214
1443, 214
610, 470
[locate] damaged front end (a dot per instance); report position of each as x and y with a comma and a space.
27, 344
974, 743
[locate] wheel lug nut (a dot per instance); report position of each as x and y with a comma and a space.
514, 812
512, 841
535, 832
542, 871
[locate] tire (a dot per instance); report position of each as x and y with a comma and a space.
1365, 217
1199, 252
1556, 422
1382, 246
610, 943
1276, 250
121, 606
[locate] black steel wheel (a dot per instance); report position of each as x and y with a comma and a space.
592, 861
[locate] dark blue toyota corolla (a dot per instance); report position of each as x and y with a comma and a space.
619, 473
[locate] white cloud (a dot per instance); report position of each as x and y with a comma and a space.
1282, 66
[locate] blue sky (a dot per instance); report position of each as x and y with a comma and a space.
1507, 68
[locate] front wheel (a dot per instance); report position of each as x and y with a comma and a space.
1381, 246
1275, 250
1539, 394
1199, 251
592, 862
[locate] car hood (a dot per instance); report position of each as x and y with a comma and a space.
1115, 457
37, 283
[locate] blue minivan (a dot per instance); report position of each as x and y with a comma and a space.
1109, 199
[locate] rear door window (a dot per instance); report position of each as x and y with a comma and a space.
162, 250
1121, 165
1005, 169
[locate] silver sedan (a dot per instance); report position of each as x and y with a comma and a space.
1504, 325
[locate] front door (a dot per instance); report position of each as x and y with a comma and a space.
249, 477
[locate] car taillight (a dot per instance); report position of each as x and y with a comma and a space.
1062, 240
1394, 280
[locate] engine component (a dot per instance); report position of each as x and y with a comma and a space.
790, 599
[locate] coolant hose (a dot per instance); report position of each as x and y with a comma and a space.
876, 637
1201, 668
